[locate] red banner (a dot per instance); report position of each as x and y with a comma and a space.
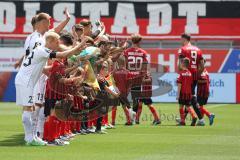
168, 58
154, 20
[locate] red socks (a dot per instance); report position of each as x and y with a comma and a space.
182, 114
78, 126
152, 109
114, 112
191, 111
72, 126
154, 112
62, 126
45, 131
204, 111
52, 129
58, 128
105, 119
68, 129
139, 111
127, 114
90, 123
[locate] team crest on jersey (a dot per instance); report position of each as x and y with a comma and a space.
187, 74
179, 51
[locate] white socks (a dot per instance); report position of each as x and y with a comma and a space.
35, 120
41, 120
132, 115
27, 124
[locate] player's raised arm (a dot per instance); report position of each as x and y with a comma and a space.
72, 51
118, 51
61, 26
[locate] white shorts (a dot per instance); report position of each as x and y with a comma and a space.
24, 95
39, 90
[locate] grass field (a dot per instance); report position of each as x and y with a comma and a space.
167, 141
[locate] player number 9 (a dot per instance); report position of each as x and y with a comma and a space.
194, 57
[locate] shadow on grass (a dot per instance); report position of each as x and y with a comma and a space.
169, 125
150, 125
13, 141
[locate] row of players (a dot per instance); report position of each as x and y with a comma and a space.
43, 45
89, 59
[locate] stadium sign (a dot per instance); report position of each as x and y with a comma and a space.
162, 60
154, 20
219, 83
217, 60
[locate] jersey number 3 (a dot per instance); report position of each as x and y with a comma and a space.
29, 58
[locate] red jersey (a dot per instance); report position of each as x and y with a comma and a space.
203, 84
185, 78
147, 87
57, 67
194, 54
122, 79
135, 58
78, 103
55, 90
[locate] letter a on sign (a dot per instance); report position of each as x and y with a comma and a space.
125, 17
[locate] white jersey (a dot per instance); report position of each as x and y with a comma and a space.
32, 67
36, 57
27, 41
34, 40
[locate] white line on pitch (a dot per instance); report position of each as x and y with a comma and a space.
217, 105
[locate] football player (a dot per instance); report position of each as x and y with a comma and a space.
194, 54
136, 59
184, 93
203, 85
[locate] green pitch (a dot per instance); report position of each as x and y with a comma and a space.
142, 142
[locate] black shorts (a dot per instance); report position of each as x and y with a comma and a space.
184, 102
194, 85
136, 96
124, 101
136, 92
49, 104
146, 101
202, 100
